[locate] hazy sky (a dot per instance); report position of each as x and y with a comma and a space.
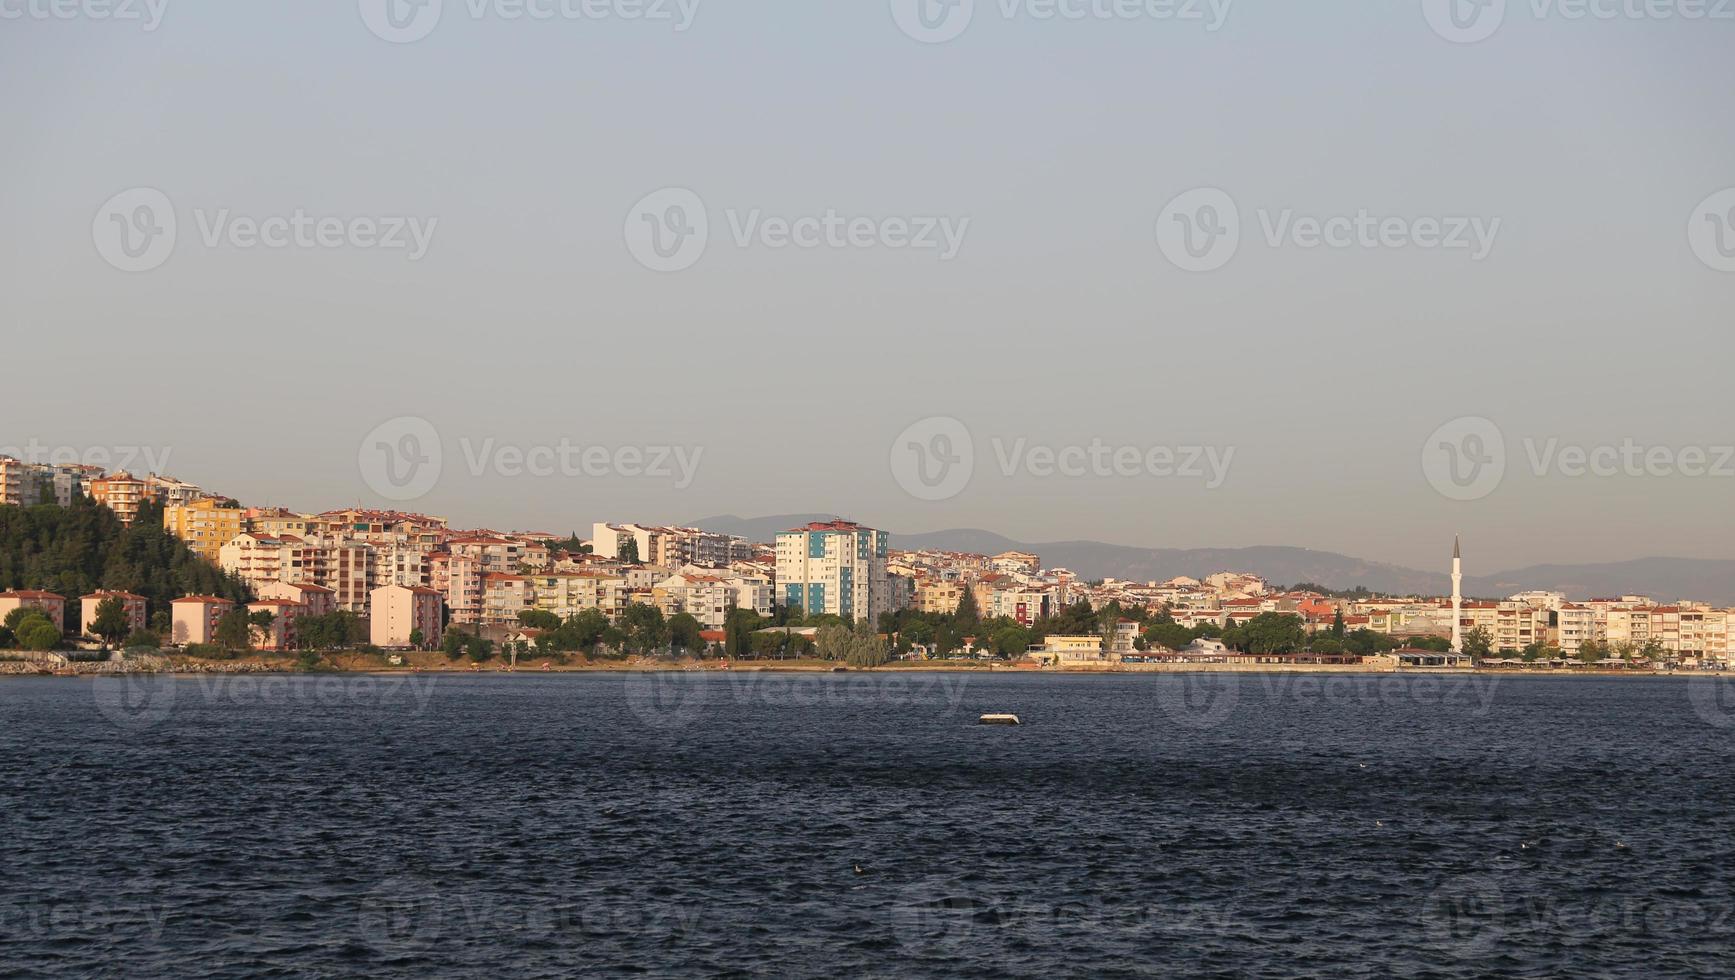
1049, 148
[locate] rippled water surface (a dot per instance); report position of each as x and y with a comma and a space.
703, 826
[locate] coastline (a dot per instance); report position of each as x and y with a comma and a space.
363, 665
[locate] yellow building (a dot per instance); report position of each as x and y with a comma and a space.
204, 526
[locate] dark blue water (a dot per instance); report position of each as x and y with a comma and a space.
1135, 826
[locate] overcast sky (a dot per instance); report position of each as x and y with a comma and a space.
1052, 304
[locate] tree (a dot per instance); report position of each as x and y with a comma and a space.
1479, 644
260, 623
142, 639
738, 627
629, 552
1535, 651
1167, 633
480, 650
110, 621
15, 619
833, 641
1337, 626
866, 649
417, 639
39, 634
234, 631
1328, 645
8, 639
452, 644
1367, 643
1592, 650
1274, 633
538, 619
967, 615
644, 627
1437, 644
684, 635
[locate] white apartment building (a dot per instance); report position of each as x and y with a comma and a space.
837, 568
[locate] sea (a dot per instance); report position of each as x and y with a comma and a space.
865, 825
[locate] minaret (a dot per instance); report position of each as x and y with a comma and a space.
1457, 596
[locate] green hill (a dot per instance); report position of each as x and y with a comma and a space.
79, 549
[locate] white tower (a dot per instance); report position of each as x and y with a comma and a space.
1457, 596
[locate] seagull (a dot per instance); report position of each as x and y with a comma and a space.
1362, 765
1620, 845
860, 870
1379, 823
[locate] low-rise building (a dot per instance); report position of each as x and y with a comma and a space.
133, 604
52, 605
195, 618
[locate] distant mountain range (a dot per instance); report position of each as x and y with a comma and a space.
1664, 579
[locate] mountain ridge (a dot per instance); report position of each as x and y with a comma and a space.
1661, 578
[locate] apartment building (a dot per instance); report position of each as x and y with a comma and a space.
121, 493
133, 604
53, 605
205, 525
280, 635
669, 547
194, 619
404, 613
317, 599
837, 567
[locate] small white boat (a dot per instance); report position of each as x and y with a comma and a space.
999, 720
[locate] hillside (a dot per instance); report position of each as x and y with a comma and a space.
79, 549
